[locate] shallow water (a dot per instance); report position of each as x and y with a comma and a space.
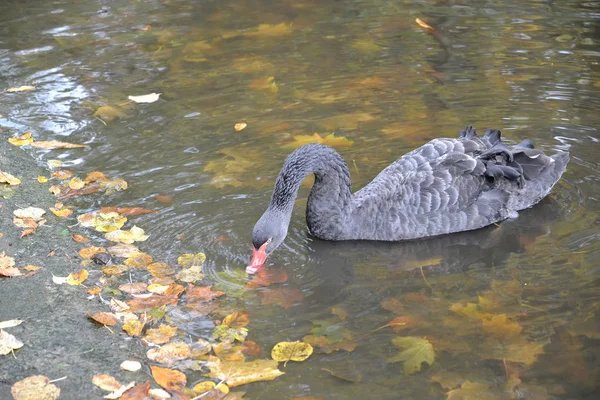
368, 73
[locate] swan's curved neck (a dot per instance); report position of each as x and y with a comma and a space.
330, 196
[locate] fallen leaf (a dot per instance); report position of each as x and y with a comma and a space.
36, 387
27, 232
169, 353
515, 350
133, 327
137, 392
232, 327
103, 318
236, 373
34, 213
291, 351
59, 280
251, 348
80, 239
160, 269
191, 274
21, 140
138, 260
42, 179
106, 382
501, 326
329, 140
54, 144
127, 211
8, 343
160, 335
130, 365
94, 291
190, 260
267, 277
394, 305
200, 348
322, 345
77, 278
88, 252
114, 270
472, 391
240, 126
103, 222
118, 393
169, 379
76, 183
448, 380
164, 199
63, 213
237, 319
416, 351
269, 30
159, 394
96, 176
282, 297
114, 186
423, 24
10, 323
124, 250
346, 372
109, 113
135, 234
340, 312
332, 328
226, 351
140, 305
52, 164
62, 174
201, 293
147, 98
12, 180
7, 266
24, 88
133, 288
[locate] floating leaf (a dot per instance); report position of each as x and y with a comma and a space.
80, 239
52, 164
236, 373
472, 391
103, 222
12, 180
106, 382
190, 260
114, 186
147, 98
54, 144
240, 126
109, 113
232, 327
169, 353
127, 211
226, 351
35, 387
135, 234
423, 24
191, 274
138, 260
329, 140
21, 140
34, 213
160, 269
137, 392
160, 335
24, 88
291, 351
8, 343
416, 351
62, 213
114, 270
7, 266
322, 345
119, 393
88, 252
133, 288
124, 250
237, 319
169, 379
201, 293
147, 304
133, 327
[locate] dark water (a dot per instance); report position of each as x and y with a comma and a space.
367, 72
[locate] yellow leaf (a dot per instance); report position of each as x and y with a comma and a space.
88, 252
330, 140
5, 177
366, 46
103, 222
501, 326
423, 24
21, 140
135, 234
191, 274
133, 327
52, 164
291, 351
236, 373
268, 30
42, 179
109, 113
416, 351
169, 379
76, 183
76, 278
515, 350
189, 260
63, 213
111, 187
239, 126
24, 88
472, 391
138, 260
237, 319
53, 144
160, 335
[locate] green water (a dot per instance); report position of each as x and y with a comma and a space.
368, 73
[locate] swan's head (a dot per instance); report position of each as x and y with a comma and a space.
268, 233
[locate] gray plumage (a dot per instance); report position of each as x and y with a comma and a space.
444, 186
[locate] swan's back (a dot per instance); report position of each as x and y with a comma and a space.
452, 185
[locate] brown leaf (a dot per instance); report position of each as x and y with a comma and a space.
322, 345
138, 260
127, 211
160, 269
394, 305
53, 144
139, 305
169, 379
160, 335
282, 297
237, 319
106, 382
165, 199
27, 232
501, 326
89, 252
226, 351
137, 392
103, 318
251, 348
169, 353
80, 239
201, 293
267, 277
133, 288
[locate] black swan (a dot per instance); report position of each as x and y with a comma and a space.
444, 186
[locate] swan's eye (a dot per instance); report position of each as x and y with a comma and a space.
268, 241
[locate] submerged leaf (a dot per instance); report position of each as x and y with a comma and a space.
236, 373
416, 351
147, 98
169, 379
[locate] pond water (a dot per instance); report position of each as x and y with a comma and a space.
383, 85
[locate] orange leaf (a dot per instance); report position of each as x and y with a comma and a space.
267, 277
399, 324
89, 252
394, 305
160, 335
160, 269
169, 379
133, 288
137, 392
80, 239
138, 260
423, 24
237, 319
140, 305
27, 232
96, 176
251, 348
127, 211
134, 327
54, 144
103, 318
201, 293
165, 199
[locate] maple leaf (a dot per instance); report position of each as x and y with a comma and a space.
501, 326
516, 350
416, 351
236, 373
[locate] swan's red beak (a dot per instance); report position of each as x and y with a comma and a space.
258, 259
